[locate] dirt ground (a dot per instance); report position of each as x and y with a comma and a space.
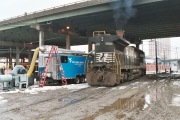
142, 99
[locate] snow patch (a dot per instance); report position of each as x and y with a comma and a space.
1, 97
147, 101
136, 83
163, 80
145, 83
2, 101
35, 88
100, 87
119, 88
176, 83
176, 101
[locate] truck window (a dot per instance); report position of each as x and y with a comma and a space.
64, 59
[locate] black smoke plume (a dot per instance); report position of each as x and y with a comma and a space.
123, 11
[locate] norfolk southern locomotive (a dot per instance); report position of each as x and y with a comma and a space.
114, 61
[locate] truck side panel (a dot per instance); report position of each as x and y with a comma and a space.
73, 66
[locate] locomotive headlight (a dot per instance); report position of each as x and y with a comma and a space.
102, 39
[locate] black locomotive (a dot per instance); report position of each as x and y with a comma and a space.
114, 61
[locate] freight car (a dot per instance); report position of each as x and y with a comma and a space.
114, 61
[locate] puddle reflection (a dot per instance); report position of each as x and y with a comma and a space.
135, 103
147, 101
121, 104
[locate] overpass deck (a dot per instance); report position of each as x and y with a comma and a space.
153, 19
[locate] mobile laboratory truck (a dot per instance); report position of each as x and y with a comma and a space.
73, 63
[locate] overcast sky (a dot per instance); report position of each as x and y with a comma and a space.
11, 8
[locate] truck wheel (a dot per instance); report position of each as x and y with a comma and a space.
77, 80
82, 79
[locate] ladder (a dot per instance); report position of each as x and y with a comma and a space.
54, 49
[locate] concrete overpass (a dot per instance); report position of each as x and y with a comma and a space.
152, 19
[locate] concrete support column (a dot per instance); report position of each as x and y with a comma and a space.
23, 60
41, 38
68, 42
29, 56
7, 62
89, 46
17, 55
178, 65
10, 59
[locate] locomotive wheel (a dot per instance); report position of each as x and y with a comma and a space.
77, 80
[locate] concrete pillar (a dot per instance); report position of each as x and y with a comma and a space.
23, 60
29, 56
17, 55
41, 38
10, 59
68, 42
7, 62
178, 65
89, 46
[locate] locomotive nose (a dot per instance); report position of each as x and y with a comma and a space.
100, 77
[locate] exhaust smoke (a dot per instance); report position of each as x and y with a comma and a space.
123, 10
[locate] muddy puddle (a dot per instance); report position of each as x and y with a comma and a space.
125, 104
138, 103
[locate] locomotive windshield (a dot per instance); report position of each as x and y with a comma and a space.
104, 46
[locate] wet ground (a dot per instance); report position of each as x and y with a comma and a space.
142, 99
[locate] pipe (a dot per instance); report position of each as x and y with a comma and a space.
6, 78
33, 62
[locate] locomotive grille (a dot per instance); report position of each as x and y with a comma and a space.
104, 57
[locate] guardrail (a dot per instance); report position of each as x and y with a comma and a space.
31, 13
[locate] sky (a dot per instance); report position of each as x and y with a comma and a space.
12, 8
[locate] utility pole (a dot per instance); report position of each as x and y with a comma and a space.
176, 53
164, 61
164, 57
156, 56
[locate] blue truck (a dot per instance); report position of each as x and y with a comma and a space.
73, 63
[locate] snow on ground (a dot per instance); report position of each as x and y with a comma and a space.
176, 101
119, 88
35, 88
147, 101
136, 83
1, 97
2, 101
176, 83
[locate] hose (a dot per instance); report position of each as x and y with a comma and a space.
33, 62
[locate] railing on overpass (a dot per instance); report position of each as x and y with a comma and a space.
51, 8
